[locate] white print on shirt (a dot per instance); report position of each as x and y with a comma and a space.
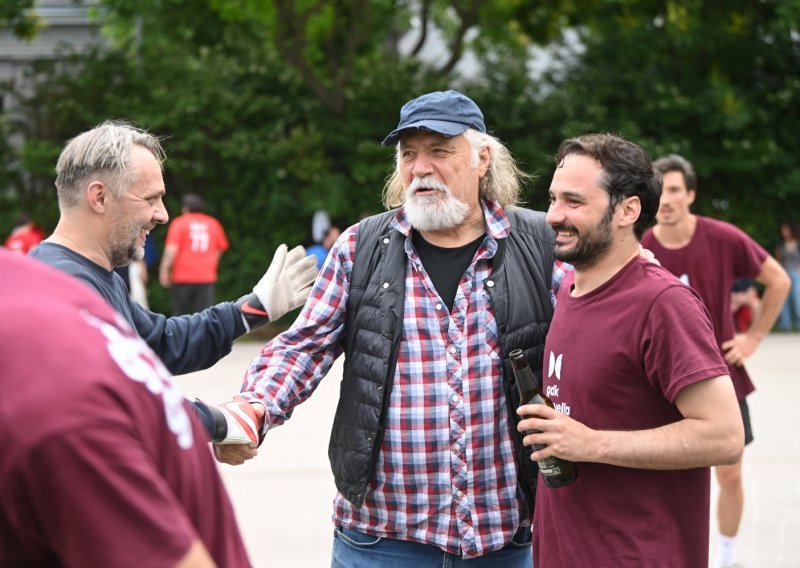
135, 359
555, 365
685, 279
552, 391
198, 233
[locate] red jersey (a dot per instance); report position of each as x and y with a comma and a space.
102, 461
200, 240
615, 359
717, 256
24, 239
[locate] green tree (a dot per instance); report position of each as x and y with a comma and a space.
715, 82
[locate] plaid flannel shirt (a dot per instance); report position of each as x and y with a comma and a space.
445, 474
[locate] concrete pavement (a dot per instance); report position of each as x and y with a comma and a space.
283, 497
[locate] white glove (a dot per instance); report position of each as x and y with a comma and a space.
287, 282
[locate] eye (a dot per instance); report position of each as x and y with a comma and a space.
441, 152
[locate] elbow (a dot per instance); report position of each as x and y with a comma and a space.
732, 446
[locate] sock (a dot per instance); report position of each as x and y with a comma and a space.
726, 550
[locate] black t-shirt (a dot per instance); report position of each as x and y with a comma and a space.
445, 266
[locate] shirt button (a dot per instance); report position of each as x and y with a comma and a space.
438, 306
490, 283
455, 398
456, 446
459, 493
452, 350
386, 240
385, 284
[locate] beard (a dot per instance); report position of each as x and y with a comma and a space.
590, 246
437, 212
123, 249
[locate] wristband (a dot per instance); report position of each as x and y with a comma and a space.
253, 312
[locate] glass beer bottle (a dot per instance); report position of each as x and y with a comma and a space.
556, 471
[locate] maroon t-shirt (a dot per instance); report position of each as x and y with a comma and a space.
717, 255
102, 462
615, 359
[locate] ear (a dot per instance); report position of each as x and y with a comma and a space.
630, 209
98, 196
692, 194
484, 158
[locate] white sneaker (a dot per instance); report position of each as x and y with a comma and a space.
242, 420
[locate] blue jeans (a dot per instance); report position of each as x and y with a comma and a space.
352, 549
792, 305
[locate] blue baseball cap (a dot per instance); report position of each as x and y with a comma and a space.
448, 113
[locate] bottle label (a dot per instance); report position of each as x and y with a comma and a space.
548, 466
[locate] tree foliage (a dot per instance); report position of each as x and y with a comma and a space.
273, 109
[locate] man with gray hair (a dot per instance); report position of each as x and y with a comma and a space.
426, 301
110, 189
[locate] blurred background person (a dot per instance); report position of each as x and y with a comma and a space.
788, 254
320, 250
189, 267
25, 235
745, 304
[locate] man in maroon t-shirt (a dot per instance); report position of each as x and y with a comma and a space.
102, 462
709, 256
643, 401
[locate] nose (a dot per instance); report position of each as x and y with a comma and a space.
161, 216
554, 214
422, 166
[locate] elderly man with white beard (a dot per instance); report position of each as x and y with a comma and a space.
426, 301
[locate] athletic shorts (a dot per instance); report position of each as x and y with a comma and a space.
748, 429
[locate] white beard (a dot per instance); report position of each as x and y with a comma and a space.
434, 212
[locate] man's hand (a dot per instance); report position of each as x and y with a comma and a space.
648, 255
738, 349
563, 436
234, 454
284, 287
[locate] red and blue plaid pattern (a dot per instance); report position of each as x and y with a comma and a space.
445, 474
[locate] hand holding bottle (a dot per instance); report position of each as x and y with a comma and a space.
557, 472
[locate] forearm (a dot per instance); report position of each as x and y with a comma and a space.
771, 304
710, 432
165, 268
684, 444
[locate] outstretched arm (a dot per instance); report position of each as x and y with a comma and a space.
284, 287
710, 433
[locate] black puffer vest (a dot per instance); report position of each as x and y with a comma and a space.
519, 287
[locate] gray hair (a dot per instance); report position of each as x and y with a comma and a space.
102, 153
501, 184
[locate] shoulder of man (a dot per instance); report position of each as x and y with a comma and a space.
723, 231
529, 221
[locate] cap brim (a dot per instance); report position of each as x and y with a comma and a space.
446, 129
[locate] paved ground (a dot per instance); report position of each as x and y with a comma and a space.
283, 497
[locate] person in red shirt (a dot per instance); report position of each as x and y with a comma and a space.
103, 463
25, 235
195, 243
